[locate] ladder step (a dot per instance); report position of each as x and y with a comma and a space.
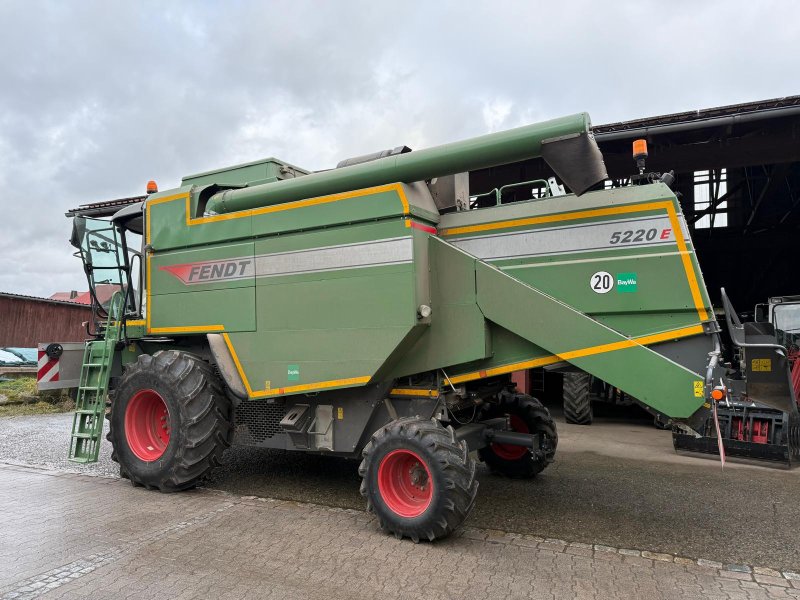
95, 369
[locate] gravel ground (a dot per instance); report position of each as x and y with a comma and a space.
594, 492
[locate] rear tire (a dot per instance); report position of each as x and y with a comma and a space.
418, 479
170, 421
578, 399
526, 415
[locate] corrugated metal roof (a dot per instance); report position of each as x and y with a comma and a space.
701, 115
103, 209
39, 299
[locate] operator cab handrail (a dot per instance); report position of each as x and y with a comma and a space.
736, 329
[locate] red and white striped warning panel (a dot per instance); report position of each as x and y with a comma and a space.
48, 368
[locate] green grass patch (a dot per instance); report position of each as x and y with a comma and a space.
33, 408
19, 388
19, 397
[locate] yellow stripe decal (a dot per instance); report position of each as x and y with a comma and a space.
581, 214
538, 362
187, 329
549, 360
668, 206
307, 387
395, 187
237, 363
414, 392
697, 297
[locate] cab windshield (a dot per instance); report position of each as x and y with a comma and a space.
107, 260
786, 319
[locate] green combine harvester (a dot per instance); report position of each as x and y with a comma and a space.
376, 311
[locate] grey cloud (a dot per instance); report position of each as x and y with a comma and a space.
98, 97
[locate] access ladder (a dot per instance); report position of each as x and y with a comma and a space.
90, 406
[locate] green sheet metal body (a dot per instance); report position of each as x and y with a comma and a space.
324, 293
489, 150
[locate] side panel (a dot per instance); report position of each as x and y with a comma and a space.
572, 336
458, 332
593, 281
332, 306
211, 288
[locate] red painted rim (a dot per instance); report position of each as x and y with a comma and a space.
507, 451
147, 425
405, 483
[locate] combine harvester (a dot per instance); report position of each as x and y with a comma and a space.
369, 312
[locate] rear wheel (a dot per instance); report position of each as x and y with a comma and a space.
170, 421
418, 479
577, 398
525, 415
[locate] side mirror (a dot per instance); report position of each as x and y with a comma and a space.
78, 231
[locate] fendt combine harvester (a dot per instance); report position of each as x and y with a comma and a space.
371, 311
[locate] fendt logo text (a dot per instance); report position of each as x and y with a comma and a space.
206, 272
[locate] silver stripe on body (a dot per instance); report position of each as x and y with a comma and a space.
378, 253
571, 239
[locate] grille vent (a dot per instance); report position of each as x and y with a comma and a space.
257, 420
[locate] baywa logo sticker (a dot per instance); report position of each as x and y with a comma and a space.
293, 372
216, 270
626, 283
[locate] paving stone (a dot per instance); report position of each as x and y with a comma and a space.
135, 544
766, 571
770, 580
741, 576
712, 564
658, 556
738, 568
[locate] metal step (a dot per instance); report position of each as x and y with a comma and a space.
98, 355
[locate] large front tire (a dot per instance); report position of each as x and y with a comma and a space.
418, 479
170, 421
526, 415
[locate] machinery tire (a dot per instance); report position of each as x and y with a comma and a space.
578, 399
418, 479
527, 415
180, 391
793, 440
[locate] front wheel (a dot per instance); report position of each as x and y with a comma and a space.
525, 415
418, 479
170, 421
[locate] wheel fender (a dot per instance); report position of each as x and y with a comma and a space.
226, 365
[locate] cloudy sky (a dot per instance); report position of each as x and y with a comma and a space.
97, 97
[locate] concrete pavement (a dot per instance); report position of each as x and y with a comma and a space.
616, 483
74, 536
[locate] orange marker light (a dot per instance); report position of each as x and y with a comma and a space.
639, 149
717, 394
152, 188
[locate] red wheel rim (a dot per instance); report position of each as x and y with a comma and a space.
405, 483
507, 451
147, 425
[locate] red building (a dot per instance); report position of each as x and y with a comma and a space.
26, 320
